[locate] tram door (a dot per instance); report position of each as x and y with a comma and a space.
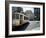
21, 19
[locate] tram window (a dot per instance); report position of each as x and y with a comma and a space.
21, 16
25, 18
17, 16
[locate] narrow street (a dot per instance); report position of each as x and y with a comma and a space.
31, 25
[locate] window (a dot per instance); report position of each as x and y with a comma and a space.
25, 18
17, 16
21, 16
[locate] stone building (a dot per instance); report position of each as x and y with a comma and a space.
30, 15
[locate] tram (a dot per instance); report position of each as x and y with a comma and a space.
20, 19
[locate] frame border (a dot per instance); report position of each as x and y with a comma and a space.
7, 18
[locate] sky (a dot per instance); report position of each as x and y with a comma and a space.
25, 7
28, 8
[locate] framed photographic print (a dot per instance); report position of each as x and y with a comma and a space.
24, 18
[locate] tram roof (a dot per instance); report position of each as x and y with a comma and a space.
21, 14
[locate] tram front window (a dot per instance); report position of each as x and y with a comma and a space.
17, 16
25, 18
